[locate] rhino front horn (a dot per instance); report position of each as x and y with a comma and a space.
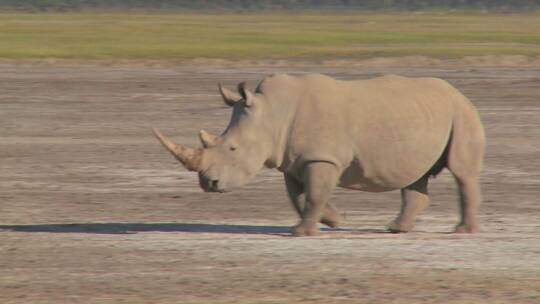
190, 158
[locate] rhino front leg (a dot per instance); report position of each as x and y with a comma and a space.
296, 192
319, 180
414, 199
295, 189
331, 216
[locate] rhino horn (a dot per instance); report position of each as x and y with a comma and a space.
229, 96
190, 158
208, 140
246, 94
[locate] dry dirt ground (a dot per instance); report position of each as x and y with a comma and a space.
93, 210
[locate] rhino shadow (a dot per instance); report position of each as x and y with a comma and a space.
130, 228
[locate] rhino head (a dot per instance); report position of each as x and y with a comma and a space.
234, 158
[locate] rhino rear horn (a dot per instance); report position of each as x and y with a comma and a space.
229, 96
208, 140
190, 158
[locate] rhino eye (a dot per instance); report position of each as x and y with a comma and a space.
232, 148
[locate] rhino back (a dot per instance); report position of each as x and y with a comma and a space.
384, 133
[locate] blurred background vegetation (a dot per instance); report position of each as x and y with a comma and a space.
268, 4
267, 29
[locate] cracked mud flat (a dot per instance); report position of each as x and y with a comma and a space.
93, 210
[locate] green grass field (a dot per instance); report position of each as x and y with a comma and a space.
266, 35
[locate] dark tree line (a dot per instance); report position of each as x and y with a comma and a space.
267, 4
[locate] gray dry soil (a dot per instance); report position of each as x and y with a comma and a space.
94, 210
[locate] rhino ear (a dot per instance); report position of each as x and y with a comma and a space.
208, 140
246, 94
229, 97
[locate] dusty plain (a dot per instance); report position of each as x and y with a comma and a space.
93, 210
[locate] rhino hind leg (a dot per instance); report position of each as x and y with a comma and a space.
465, 160
469, 197
414, 199
465, 169
319, 180
295, 189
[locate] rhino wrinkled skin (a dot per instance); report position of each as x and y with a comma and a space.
373, 135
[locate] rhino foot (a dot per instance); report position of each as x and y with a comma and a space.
332, 222
467, 228
397, 226
303, 230
331, 216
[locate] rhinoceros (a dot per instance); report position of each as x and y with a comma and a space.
374, 135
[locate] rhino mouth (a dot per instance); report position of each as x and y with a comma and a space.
211, 185
215, 187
